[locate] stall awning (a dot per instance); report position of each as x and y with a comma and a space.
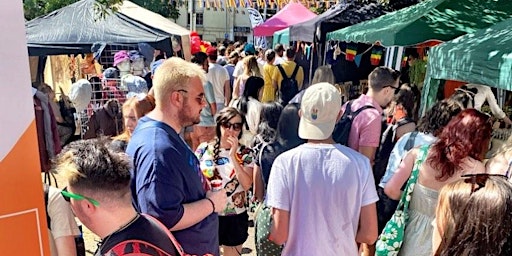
440, 20
483, 57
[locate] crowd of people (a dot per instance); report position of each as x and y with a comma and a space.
214, 135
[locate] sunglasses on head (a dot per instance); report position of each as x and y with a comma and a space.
236, 126
478, 180
68, 195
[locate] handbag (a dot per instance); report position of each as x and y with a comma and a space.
262, 226
391, 239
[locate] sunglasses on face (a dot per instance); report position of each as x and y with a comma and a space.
200, 99
478, 180
236, 126
68, 195
397, 89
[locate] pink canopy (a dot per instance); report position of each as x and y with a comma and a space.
291, 14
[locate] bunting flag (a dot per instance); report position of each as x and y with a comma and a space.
351, 52
376, 56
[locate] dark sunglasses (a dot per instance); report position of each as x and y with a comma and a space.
68, 195
397, 89
478, 180
236, 126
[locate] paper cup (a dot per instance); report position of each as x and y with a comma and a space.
216, 185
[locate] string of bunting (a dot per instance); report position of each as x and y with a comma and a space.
271, 4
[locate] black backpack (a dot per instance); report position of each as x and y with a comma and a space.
79, 240
387, 143
344, 125
289, 86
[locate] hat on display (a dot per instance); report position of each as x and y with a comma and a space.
80, 94
155, 65
134, 55
110, 73
211, 51
120, 56
249, 49
320, 107
135, 84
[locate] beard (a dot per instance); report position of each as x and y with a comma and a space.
187, 117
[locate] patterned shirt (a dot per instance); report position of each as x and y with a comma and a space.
223, 169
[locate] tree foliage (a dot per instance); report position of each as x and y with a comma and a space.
163, 7
36, 8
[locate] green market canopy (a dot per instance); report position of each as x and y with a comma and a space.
484, 57
431, 20
281, 37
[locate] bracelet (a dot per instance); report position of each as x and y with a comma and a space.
213, 205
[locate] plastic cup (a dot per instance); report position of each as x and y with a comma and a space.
216, 185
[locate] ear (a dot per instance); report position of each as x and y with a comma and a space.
176, 99
300, 113
339, 115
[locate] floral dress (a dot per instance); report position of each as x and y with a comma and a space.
223, 169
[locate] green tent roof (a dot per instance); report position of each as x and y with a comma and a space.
281, 37
484, 57
440, 20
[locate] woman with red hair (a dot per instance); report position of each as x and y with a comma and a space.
461, 146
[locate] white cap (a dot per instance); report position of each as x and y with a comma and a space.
320, 107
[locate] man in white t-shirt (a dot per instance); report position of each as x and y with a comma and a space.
279, 49
322, 194
218, 76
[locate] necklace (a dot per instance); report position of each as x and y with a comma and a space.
105, 240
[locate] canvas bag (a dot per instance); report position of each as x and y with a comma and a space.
391, 239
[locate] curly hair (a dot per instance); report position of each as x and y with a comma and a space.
437, 117
223, 117
475, 223
467, 134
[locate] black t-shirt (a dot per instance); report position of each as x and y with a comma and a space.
145, 237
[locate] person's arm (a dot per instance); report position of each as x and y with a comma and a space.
210, 97
258, 188
370, 123
367, 232
280, 225
65, 245
195, 212
393, 187
368, 152
63, 224
300, 77
236, 87
227, 92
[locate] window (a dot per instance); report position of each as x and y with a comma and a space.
199, 19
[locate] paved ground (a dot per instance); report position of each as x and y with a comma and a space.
91, 240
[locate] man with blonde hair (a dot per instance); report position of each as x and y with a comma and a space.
166, 180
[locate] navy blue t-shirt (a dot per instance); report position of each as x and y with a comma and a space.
166, 175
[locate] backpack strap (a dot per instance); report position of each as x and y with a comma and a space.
166, 230
410, 142
295, 70
403, 121
263, 146
281, 70
46, 192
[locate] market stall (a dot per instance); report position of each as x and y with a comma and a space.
431, 20
291, 14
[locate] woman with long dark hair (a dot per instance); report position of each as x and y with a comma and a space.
250, 107
225, 159
461, 146
287, 137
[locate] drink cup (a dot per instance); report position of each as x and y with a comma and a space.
216, 185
